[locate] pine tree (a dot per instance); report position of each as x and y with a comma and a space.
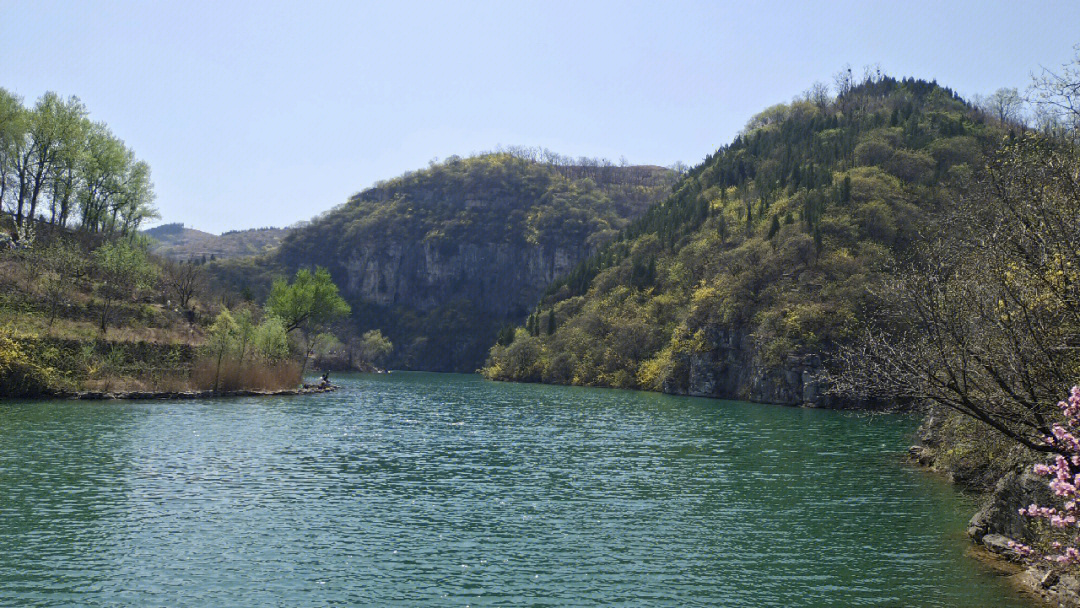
774, 227
551, 322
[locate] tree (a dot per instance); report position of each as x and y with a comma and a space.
123, 269
102, 171
220, 340
551, 321
51, 127
245, 332
1063, 544
1004, 104
818, 94
375, 347
988, 323
844, 81
270, 341
64, 262
774, 227
506, 335
1056, 94
309, 305
53, 152
182, 281
134, 202
12, 138
64, 178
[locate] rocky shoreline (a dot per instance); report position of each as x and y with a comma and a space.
307, 389
998, 523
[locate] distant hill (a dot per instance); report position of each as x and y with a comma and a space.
442, 258
177, 242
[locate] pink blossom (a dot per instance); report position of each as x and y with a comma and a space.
1021, 549
1064, 482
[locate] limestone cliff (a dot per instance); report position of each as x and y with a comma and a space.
733, 367
501, 279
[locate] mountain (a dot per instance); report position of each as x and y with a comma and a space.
743, 283
181, 244
441, 258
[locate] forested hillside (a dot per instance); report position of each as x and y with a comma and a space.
440, 259
761, 263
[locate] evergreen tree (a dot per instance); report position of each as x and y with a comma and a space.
774, 227
506, 335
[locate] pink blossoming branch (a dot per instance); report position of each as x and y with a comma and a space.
1064, 476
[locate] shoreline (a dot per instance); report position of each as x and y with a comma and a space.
1043, 587
307, 389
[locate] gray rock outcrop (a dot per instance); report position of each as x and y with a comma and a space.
733, 368
1000, 514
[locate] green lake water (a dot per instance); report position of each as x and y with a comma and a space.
447, 490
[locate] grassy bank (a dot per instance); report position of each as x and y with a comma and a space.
83, 313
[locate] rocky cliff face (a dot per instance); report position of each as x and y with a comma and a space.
733, 368
443, 306
499, 280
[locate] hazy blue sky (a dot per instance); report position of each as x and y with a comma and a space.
264, 113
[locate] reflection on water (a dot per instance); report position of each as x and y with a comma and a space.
424, 489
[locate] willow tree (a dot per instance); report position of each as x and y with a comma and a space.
308, 305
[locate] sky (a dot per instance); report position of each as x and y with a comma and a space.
263, 113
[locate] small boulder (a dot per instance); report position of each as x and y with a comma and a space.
1000, 544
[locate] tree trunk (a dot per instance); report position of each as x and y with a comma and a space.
106, 304
217, 372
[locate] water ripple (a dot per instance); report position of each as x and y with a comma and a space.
419, 489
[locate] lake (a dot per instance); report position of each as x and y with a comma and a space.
413, 489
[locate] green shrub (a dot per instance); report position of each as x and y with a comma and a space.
20, 375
